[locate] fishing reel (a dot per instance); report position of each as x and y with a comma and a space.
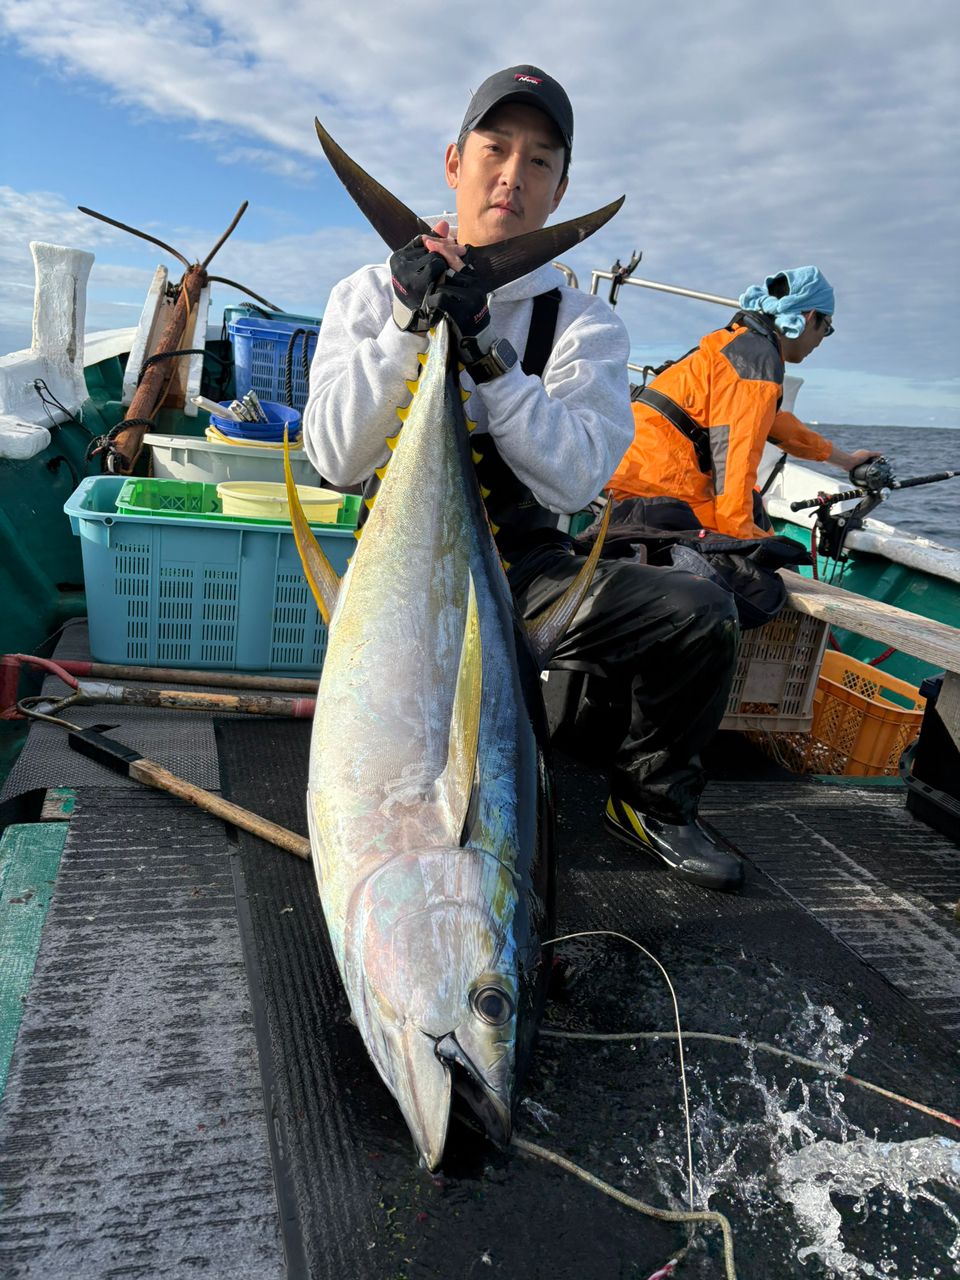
875, 481
874, 476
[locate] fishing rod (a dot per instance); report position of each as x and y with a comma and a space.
875, 482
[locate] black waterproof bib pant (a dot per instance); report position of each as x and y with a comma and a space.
664, 640
666, 643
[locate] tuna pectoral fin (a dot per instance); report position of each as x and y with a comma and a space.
546, 630
455, 785
319, 572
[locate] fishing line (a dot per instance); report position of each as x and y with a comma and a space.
665, 1215
762, 1046
611, 933
690, 1216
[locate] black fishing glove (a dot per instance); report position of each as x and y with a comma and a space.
462, 298
413, 273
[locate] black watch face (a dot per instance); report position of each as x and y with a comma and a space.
505, 353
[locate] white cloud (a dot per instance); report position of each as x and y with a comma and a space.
747, 137
295, 271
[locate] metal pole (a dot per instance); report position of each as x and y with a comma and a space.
597, 276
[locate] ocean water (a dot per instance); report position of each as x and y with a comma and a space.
932, 511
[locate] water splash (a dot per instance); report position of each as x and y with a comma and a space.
542, 1116
809, 1177
769, 1139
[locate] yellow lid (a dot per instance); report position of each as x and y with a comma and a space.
265, 500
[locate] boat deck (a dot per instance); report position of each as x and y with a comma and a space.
187, 1096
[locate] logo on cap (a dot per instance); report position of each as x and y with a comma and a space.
527, 79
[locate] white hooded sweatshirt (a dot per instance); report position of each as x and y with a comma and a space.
563, 436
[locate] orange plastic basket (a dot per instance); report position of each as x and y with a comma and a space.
862, 721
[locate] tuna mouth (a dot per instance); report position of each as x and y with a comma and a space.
422, 1084
488, 1107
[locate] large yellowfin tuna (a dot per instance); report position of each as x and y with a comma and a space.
429, 804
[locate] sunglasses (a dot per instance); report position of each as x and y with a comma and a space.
824, 322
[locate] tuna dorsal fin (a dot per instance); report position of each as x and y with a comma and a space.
497, 264
546, 630
456, 784
319, 572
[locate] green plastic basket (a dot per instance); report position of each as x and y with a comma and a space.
141, 496
196, 500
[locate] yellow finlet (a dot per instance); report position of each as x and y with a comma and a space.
470, 425
380, 472
422, 357
368, 502
484, 492
403, 414
412, 386
393, 441
464, 395
494, 528
477, 457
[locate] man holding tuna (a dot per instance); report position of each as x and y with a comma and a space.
552, 425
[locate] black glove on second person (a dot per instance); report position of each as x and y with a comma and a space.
413, 272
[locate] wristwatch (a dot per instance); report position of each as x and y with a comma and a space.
499, 360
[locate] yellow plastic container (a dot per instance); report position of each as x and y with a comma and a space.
863, 719
264, 500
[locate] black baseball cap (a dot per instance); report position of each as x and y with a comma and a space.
524, 84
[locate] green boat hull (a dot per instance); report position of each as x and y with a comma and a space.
894, 584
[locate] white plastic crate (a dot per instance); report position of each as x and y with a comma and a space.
210, 462
776, 674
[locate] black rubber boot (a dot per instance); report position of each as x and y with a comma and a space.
685, 849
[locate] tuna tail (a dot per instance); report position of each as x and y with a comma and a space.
496, 264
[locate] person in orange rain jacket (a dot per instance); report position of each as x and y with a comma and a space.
701, 424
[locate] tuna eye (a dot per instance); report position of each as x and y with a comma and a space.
493, 1005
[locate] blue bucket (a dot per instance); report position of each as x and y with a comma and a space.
269, 432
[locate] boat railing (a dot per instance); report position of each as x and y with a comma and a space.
597, 276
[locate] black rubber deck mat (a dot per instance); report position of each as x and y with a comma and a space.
181, 742
353, 1201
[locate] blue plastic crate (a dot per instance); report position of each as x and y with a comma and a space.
260, 357
193, 593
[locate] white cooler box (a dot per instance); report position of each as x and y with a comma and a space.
194, 458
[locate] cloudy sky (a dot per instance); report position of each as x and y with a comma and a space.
747, 137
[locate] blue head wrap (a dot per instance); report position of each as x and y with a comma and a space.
807, 290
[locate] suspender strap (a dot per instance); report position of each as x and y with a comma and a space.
679, 418
543, 327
